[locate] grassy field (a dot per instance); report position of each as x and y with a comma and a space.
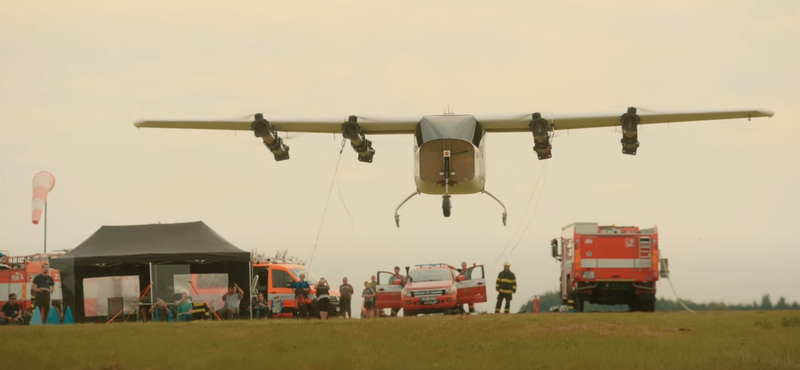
721, 340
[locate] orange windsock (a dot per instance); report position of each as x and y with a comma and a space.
43, 183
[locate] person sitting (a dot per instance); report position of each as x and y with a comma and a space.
11, 313
260, 307
183, 308
232, 298
160, 311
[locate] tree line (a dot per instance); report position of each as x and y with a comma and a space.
553, 298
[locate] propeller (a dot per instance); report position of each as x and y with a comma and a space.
248, 117
288, 136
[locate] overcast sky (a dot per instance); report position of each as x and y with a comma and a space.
74, 76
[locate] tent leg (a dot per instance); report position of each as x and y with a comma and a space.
250, 285
152, 302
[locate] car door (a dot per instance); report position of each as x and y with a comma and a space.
389, 287
471, 285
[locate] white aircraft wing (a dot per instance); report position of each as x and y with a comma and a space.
402, 126
520, 124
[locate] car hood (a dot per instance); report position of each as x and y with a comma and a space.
429, 285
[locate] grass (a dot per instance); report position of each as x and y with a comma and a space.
713, 340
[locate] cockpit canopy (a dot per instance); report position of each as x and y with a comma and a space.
460, 127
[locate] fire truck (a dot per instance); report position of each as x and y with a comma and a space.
608, 265
16, 276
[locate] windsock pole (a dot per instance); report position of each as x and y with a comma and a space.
45, 227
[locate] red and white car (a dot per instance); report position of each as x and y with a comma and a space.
431, 288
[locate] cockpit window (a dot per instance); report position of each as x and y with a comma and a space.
479, 132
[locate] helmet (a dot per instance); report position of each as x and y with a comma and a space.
506, 264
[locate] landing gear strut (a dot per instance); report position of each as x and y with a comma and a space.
505, 214
397, 215
446, 172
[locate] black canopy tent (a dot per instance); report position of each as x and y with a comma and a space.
136, 249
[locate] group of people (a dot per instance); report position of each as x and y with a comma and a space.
346, 293
370, 294
160, 311
42, 287
505, 286
303, 303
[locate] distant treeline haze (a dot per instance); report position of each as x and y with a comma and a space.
552, 298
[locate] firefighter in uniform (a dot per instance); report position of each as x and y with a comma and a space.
506, 286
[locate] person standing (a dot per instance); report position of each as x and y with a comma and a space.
323, 299
369, 300
463, 271
506, 286
346, 293
374, 285
397, 276
301, 290
43, 287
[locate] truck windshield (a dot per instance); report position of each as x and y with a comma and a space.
310, 278
418, 276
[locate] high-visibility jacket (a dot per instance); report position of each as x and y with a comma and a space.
506, 282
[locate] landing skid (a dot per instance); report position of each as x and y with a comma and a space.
505, 214
396, 215
446, 206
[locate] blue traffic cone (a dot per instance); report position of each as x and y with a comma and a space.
37, 317
52, 317
68, 319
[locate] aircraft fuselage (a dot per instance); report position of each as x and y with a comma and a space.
466, 162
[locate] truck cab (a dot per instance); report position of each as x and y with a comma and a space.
431, 288
609, 265
17, 274
275, 281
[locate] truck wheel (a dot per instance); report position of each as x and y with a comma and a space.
645, 303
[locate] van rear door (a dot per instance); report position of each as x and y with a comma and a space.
261, 277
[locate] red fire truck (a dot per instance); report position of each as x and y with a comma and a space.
16, 276
608, 265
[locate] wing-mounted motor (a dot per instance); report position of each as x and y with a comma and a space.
352, 130
542, 135
262, 129
630, 135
